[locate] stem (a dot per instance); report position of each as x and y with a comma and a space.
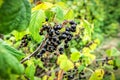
35, 52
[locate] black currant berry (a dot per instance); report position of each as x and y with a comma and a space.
46, 19
67, 29
23, 41
115, 67
69, 38
51, 32
59, 27
70, 77
57, 32
63, 36
61, 49
73, 26
66, 46
66, 41
54, 38
41, 33
43, 51
58, 42
51, 48
72, 22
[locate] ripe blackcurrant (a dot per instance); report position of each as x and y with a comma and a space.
61, 49
66, 46
72, 22
57, 32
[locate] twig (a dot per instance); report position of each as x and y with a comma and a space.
60, 75
35, 52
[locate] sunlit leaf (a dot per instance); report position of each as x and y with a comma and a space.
58, 13
97, 75
112, 76
1, 2
75, 56
69, 15
43, 6
30, 71
8, 60
112, 52
66, 65
60, 58
36, 23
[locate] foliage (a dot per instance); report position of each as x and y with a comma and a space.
16, 18
24, 54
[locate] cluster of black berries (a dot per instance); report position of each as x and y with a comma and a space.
56, 37
24, 41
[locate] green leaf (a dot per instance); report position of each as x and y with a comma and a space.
117, 62
75, 56
36, 23
11, 50
9, 63
80, 68
66, 65
58, 13
49, 14
1, 2
60, 58
30, 71
69, 15
112, 52
73, 50
97, 75
19, 35
112, 76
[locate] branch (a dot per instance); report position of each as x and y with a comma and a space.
35, 52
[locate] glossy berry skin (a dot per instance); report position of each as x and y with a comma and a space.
51, 32
61, 49
54, 38
72, 22
66, 41
73, 26
57, 32
51, 48
63, 36
69, 38
68, 29
70, 77
43, 51
66, 46
41, 33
